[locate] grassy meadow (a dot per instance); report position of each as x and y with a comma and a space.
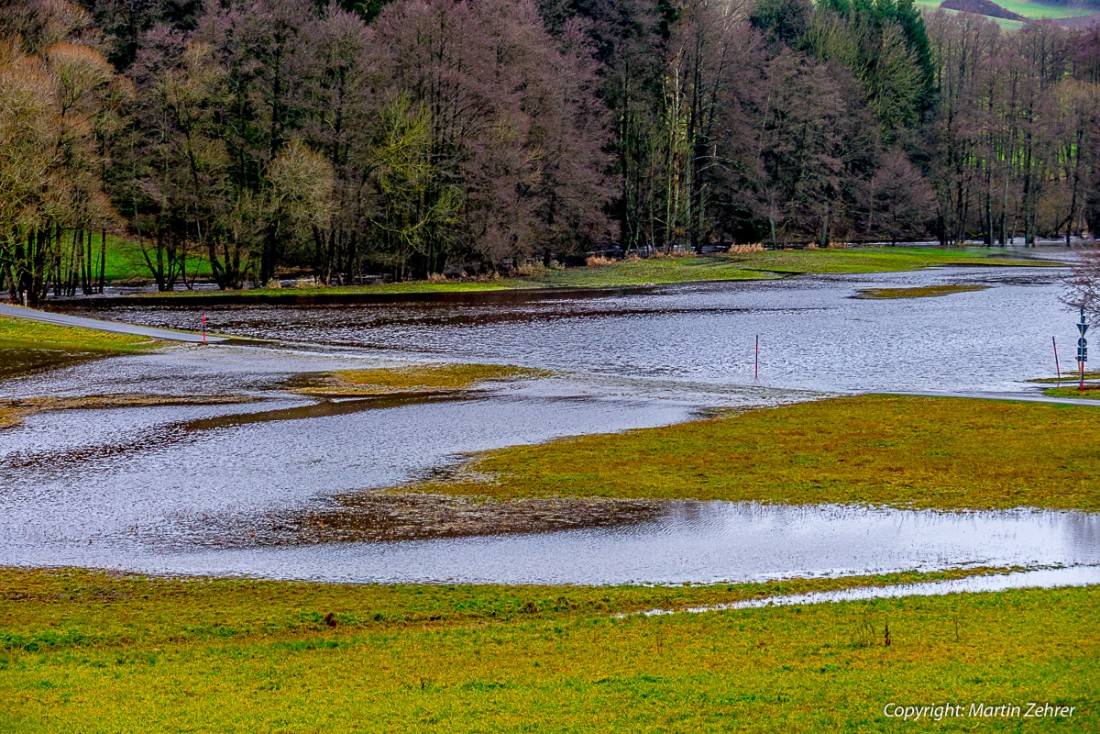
757, 265
28, 346
946, 453
91, 652
1040, 11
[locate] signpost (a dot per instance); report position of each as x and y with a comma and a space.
1082, 349
756, 364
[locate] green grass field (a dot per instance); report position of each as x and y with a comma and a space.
1004, 23
1039, 11
90, 652
27, 346
125, 261
947, 453
662, 271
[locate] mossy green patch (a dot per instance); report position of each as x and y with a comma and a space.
86, 652
926, 291
950, 453
416, 379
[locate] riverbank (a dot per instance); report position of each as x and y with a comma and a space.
88, 651
630, 273
902, 451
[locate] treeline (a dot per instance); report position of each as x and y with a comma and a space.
421, 136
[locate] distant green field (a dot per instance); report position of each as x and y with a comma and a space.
1036, 11
125, 261
1026, 8
1004, 23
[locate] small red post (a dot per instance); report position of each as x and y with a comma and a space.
204, 327
1056, 365
756, 366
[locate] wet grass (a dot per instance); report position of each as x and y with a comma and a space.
653, 271
418, 379
1091, 391
950, 453
90, 652
30, 346
1067, 377
927, 291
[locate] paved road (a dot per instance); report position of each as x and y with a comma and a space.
79, 321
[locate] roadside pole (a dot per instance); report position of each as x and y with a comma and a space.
1057, 366
1082, 349
756, 364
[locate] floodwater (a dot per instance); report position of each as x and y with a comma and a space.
133, 488
813, 334
698, 542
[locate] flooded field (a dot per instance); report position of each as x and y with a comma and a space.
264, 488
814, 333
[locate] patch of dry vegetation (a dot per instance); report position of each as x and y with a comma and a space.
926, 291
418, 380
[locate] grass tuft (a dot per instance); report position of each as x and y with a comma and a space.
927, 291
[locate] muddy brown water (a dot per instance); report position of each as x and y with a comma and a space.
158, 489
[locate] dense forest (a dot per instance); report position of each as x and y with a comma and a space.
419, 137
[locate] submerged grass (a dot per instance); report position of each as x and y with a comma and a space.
12, 412
926, 291
417, 379
91, 652
950, 453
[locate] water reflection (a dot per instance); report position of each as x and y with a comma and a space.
698, 542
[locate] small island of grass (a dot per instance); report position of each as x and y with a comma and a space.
926, 291
415, 379
904, 451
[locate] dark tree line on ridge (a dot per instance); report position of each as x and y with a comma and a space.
419, 136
